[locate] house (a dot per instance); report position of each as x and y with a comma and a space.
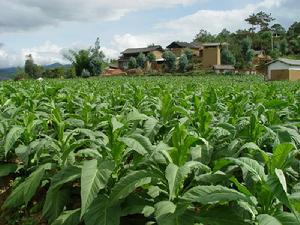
223, 69
211, 54
283, 69
178, 48
157, 50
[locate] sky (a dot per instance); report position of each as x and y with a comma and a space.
48, 28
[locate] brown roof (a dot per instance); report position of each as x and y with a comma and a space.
142, 50
180, 44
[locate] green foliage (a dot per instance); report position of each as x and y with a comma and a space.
189, 54
166, 150
141, 60
132, 64
87, 62
170, 60
183, 63
227, 57
151, 57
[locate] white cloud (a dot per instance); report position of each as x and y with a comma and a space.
28, 14
215, 20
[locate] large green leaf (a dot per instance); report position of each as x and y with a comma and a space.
55, 203
280, 156
223, 215
128, 184
138, 143
66, 175
94, 177
214, 194
71, 217
6, 169
26, 190
265, 219
99, 213
249, 165
13, 135
278, 186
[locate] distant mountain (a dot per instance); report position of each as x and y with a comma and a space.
7, 73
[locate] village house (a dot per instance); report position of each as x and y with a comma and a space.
157, 50
211, 54
178, 48
283, 69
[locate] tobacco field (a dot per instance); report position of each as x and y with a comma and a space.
211, 150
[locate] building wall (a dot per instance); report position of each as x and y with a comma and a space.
211, 57
158, 54
177, 51
294, 75
279, 75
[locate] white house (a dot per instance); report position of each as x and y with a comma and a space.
284, 69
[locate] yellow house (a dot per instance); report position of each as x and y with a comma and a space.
178, 47
211, 54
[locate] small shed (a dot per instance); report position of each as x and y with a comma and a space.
283, 69
223, 69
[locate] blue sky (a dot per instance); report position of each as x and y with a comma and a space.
47, 28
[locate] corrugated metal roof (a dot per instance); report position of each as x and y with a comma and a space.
290, 62
142, 50
223, 67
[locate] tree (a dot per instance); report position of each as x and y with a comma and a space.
29, 65
70, 72
170, 60
246, 44
132, 64
278, 30
97, 59
188, 53
284, 46
294, 31
141, 60
91, 59
204, 36
260, 19
253, 21
249, 57
183, 63
227, 57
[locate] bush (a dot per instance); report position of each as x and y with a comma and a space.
132, 64
227, 57
141, 60
183, 63
170, 60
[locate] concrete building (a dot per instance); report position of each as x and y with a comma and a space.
123, 61
283, 69
211, 54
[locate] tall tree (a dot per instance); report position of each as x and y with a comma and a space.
278, 30
29, 65
260, 19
